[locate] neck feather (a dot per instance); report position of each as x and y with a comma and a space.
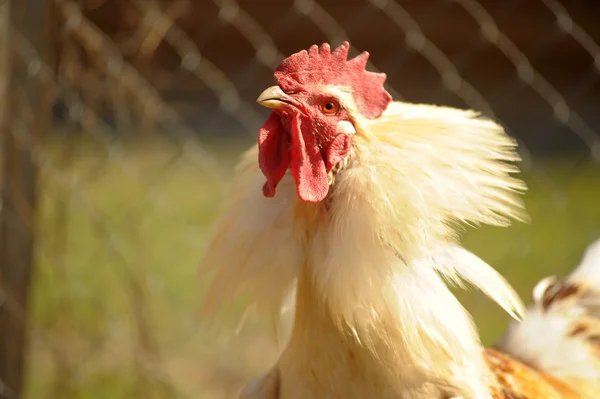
396, 316
370, 261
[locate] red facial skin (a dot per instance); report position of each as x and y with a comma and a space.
303, 135
302, 131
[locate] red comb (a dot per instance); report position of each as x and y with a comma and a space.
321, 66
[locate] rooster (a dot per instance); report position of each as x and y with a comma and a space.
350, 203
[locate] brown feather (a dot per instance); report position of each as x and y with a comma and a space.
518, 381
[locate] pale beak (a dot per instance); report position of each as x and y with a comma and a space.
274, 98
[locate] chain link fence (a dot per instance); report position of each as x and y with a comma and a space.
121, 119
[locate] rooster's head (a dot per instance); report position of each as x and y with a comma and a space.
319, 98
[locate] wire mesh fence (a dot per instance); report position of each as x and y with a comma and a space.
121, 120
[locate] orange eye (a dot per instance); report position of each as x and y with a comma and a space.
329, 108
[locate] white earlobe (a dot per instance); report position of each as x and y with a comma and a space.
346, 127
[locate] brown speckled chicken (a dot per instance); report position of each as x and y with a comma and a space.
350, 203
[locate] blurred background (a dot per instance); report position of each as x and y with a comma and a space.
120, 121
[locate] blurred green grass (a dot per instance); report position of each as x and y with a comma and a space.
120, 234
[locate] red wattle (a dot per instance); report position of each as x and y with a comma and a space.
278, 150
273, 152
308, 167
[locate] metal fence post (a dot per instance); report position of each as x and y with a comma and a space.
20, 95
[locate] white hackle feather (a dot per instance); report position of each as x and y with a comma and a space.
459, 266
561, 331
255, 250
379, 247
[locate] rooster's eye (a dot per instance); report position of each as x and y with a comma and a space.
329, 108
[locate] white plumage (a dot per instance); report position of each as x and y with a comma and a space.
366, 198
373, 255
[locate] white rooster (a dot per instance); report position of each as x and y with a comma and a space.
352, 201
